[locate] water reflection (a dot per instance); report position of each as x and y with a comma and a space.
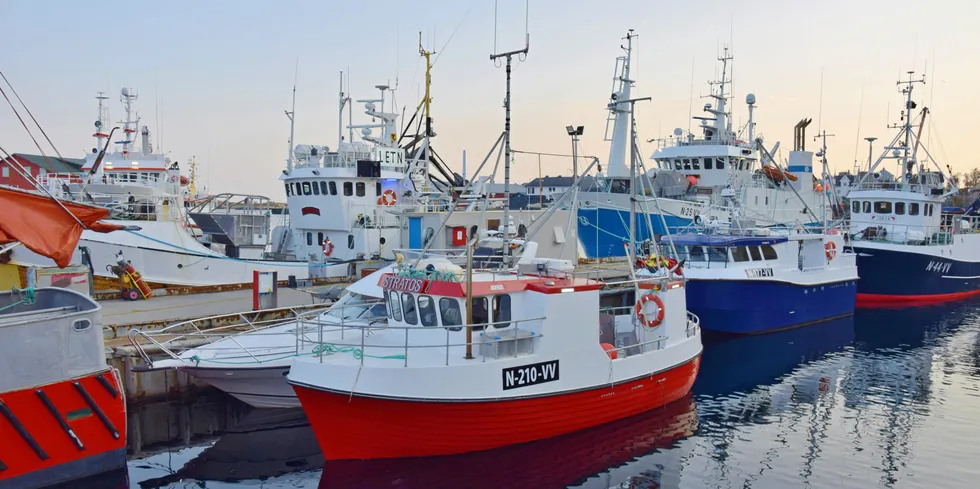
887, 398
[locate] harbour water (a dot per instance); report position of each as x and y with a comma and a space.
887, 398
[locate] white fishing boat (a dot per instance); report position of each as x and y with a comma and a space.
146, 189
252, 365
695, 177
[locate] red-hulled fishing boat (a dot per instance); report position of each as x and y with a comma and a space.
62, 408
527, 365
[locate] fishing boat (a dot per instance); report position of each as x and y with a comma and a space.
908, 250
695, 177
62, 408
473, 359
143, 187
749, 281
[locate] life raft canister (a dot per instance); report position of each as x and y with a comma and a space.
658, 317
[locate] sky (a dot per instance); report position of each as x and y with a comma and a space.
214, 78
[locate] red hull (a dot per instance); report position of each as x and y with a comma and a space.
367, 428
882, 300
42, 451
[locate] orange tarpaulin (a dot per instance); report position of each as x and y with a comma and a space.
40, 224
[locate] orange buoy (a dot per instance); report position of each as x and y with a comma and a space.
610, 350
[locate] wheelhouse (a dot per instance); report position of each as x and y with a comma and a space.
711, 251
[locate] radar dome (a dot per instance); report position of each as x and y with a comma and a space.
678, 131
125, 91
750, 99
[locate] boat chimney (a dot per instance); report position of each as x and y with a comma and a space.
750, 100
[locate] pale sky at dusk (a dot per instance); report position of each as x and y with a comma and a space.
221, 72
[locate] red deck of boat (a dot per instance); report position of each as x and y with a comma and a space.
102, 451
355, 427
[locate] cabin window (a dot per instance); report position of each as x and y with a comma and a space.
309, 239
754, 251
677, 164
866, 207
360, 189
394, 307
707, 163
501, 311
319, 238
767, 200
408, 308
306, 188
377, 189
348, 189
739, 253
914, 209
333, 188
427, 311
717, 254
350, 241
323, 188
481, 312
768, 252
451, 316
316, 189
928, 210
900, 208
687, 164
696, 163
882, 207
856, 207
697, 253
720, 163
289, 187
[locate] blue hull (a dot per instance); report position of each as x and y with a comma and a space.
755, 306
900, 276
602, 232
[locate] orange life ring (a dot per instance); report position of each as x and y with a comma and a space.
831, 249
327, 247
651, 323
389, 197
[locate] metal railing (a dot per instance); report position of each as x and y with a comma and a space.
951, 225
176, 338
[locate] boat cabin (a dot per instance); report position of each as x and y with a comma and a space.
901, 216
759, 256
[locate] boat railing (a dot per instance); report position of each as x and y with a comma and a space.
172, 340
693, 324
501, 341
916, 235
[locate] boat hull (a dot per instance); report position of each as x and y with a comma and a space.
359, 427
757, 306
902, 277
263, 387
37, 451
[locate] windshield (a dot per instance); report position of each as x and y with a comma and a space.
354, 306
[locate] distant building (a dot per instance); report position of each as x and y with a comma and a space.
35, 165
549, 187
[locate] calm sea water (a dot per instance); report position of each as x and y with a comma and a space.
887, 398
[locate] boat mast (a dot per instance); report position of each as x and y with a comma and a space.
907, 156
426, 103
618, 111
340, 114
292, 130
507, 152
633, 178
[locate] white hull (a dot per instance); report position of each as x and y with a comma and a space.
164, 252
258, 387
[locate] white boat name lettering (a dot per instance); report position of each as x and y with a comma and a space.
758, 272
938, 266
526, 375
404, 284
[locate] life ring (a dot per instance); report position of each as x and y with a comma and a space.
327, 247
651, 323
831, 249
389, 197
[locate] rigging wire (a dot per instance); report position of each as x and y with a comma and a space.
29, 133
454, 33
33, 119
